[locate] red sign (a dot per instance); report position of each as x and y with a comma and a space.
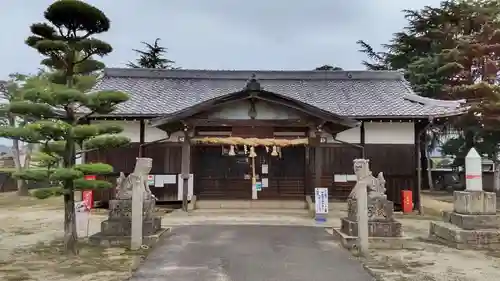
88, 195
471, 177
88, 198
407, 201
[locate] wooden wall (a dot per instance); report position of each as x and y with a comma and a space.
396, 161
166, 160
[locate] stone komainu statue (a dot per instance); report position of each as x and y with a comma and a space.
375, 185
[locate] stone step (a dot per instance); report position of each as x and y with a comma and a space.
251, 204
459, 238
253, 212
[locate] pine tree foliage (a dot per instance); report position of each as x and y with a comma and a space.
450, 52
328, 67
471, 68
60, 105
152, 57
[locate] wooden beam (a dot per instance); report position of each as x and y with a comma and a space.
142, 138
201, 122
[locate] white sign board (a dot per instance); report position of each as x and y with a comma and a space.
321, 200
82, 216
180, 186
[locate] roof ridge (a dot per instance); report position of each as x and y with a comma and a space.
435, 102
246, 74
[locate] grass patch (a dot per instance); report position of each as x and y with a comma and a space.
11, 200
17, 276
22, 231
50, 258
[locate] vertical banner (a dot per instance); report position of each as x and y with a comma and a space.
321, 203
88, 195
88, 198
82, 215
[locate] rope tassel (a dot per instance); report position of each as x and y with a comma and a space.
252, 152
275, 151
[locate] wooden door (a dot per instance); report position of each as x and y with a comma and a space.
219, 176
286, 174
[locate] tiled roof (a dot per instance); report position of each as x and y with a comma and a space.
345, 93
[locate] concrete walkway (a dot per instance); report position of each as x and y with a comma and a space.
253, 253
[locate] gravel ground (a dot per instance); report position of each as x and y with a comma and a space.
430, 261
31, 248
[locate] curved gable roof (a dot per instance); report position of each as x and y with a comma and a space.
356, 94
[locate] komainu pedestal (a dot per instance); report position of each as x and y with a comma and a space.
473, 223
117, 229
383, 230
119, 222
381, 222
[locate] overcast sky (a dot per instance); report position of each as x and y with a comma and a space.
224, 34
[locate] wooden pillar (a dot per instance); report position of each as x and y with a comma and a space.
420, 161
308, 168
318, 160
362, 134
185, 168
142, 138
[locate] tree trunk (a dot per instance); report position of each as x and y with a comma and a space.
70, 234
430, 181
22, 189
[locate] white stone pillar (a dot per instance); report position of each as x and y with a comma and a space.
137, 212
362, 170
473, 171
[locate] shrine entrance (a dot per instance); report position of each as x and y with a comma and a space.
225, 172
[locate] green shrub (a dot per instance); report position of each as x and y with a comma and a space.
46, 192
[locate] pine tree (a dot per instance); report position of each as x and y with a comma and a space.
11, 91
328, 67
152, 57
60, 107
471, 70
446, 52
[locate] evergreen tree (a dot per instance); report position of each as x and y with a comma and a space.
449, 52
12, 91
60, 107
152, 57
470, 69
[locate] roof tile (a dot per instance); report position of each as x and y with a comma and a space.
350, 94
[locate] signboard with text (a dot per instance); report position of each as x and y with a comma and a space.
321, 200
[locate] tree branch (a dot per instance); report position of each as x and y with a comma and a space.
85, 150
83, 59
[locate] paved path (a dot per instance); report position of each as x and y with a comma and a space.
249, 253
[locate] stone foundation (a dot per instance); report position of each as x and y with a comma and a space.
473, 224
456, 237
381, 222
383, 230
375, 228
117, 229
